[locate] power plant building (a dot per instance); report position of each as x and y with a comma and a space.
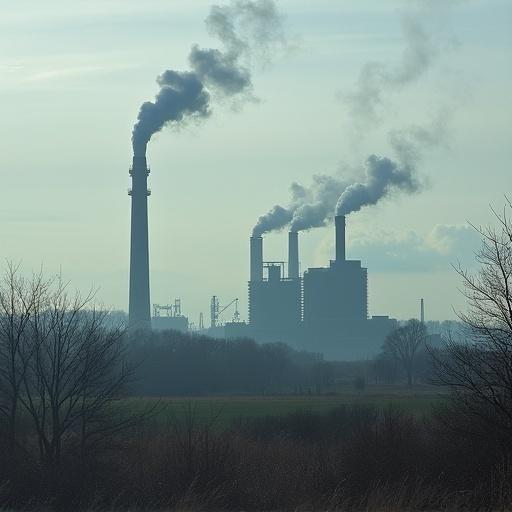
326, 311
275, 301
337, 294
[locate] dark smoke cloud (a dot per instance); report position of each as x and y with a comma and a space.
278, 216
275, 219
329, 195
309, 207
181, 95
383, 176
220, 71
245, 28
318, 211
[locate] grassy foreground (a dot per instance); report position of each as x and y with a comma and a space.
224, 409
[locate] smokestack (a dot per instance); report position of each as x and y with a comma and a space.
340, 237
422, 311
139, 314
293, 255
256, 258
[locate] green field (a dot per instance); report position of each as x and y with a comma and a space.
222, 410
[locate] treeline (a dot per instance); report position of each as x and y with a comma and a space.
174, 363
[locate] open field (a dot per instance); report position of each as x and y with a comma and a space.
222, 410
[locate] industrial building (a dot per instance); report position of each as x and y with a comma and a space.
337, 294
169, 316
275, 301
325, 311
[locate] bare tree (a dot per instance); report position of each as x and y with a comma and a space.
19, 299
479, 369
75, 371
59, 364
403, 345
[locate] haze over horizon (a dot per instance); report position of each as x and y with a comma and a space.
74, 77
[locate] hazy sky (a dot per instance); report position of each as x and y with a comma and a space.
74, 73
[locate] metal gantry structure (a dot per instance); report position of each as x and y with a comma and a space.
170, 309
216, 310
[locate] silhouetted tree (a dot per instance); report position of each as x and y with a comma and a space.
59, 365
404, 343
75, 371
175, 363
479, 370
19, 298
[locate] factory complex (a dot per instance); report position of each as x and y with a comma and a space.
323, 310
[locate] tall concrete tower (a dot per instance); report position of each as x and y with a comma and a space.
339, 222
139, 314
293, 255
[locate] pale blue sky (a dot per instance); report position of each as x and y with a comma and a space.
74, 73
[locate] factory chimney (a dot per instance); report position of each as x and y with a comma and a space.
293, 255
256, 258
340, 237
139, 314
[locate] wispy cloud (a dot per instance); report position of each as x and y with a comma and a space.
66, 72
410, 252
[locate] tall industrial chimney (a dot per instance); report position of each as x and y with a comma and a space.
293, 255
340, 237
256, 258
139, 314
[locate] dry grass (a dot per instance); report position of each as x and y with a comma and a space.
355, 459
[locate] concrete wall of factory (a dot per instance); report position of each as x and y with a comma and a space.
164, 323
275, 304
338, 293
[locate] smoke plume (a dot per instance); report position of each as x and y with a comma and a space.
329, 195
380, 176
181, 95
278, 217
318, 211
384, 176
377, 78
310, 207
245, 28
